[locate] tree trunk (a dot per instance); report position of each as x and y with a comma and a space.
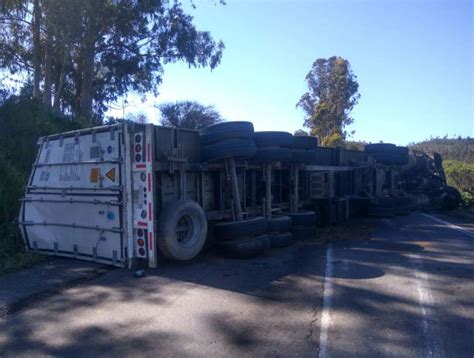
47, 72
36, 48
85, 104
59, 85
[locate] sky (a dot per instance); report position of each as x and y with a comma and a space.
414, 61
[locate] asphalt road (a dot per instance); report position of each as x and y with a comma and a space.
408, 291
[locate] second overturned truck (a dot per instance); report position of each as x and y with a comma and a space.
131, 194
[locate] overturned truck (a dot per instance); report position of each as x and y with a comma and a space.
131, 194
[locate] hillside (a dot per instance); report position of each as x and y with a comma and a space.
460, 149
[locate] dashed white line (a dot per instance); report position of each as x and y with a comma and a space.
327, 303
448, 224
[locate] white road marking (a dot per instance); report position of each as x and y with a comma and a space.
426, 302
327, 303
452, 226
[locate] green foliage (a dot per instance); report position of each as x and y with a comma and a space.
354, 145
88, 53
333, 93
23, 121
12, 253
188, 114
461, 149
12, 183
461, 176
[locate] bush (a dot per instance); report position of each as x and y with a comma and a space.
461, 176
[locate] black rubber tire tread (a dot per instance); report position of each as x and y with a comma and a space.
238, 230
304, 232
380, 147
273, 139
244, 248
304, 142
303, 156
390, 158
381, 211
279, 223
403, 151
166, 234
303, 218
230, 148
273, 154
281, 240
227, 130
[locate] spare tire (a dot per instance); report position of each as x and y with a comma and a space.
175, 242
273, 139
380, 147
235, 230
244, 248
230, 148
304, 142
279, 223
227, 130
302, 218
281, 240
273, 154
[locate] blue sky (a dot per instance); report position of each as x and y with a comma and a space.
414, 61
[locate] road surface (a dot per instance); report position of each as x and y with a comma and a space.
408, 291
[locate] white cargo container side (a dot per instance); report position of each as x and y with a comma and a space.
74, 201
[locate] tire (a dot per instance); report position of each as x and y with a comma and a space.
230, 148
403, 151
380, 147
304, 232
244, 248
381, 211
238, 230
450, 198
304, 142
303, 218
174, 245
273, 154
226, 130
303, 156
279, 223
273, 139
281, 240
390, 158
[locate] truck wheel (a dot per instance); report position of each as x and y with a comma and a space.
304, 232
304, 142
380, 147
244, 248
303, 156
279, 223
281, 240
235, 230
230, 148
303, 218
273, 154
227, 130
182, 230
273, 139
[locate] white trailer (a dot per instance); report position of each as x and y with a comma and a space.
90, 196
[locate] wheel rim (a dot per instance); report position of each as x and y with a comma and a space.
186, 230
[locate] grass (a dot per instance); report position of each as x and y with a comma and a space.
13, 256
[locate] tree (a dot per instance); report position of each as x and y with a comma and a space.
188, 114
88, 53
300, 132
332, 94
